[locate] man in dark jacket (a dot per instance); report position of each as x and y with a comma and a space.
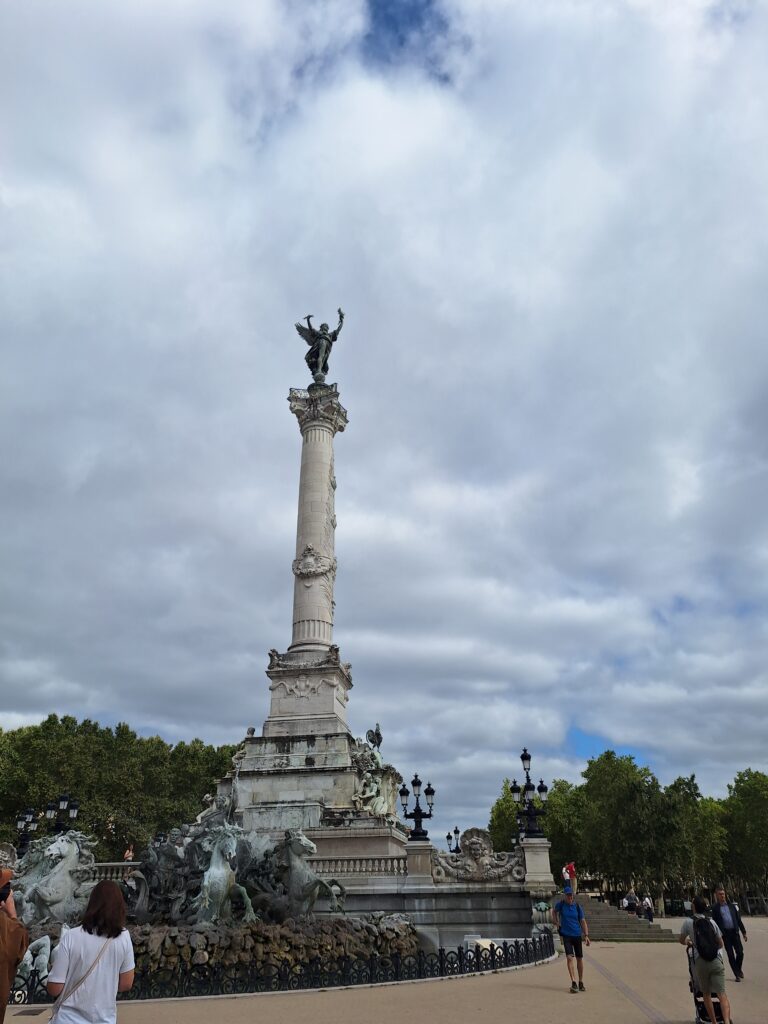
728, 919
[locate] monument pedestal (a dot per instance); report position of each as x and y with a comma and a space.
306, 770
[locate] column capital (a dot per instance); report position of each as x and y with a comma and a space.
318, 405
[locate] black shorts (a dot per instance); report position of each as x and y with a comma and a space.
573, 946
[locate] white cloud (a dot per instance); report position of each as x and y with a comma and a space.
551, 487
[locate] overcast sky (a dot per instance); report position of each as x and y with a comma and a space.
547, 223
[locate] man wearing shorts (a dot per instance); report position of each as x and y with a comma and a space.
571, 926
710, 974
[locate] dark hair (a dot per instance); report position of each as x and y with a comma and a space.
105, 913
700, 905
719, 887
5, 892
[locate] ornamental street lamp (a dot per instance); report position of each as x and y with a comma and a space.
418, 814
57, 814
455, 848
26, 823
527, 813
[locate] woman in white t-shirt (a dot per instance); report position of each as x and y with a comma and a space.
93, 962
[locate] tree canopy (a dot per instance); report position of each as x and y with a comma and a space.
129, 787
621, 825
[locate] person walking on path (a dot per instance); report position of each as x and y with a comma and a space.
648, 908
571, 926
93, 962
728, 919
13, 939
708, 971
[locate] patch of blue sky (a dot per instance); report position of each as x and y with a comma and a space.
727, 13
585, 745
406, 32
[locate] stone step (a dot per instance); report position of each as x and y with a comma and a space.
609, 924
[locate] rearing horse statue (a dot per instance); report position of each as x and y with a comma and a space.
219, 883
302, 884
62, 892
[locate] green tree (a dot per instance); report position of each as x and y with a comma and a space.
503, 823
745, 818
129, 787
563, 824
619, 798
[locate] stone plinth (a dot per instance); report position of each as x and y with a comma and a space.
419, 856
538, 871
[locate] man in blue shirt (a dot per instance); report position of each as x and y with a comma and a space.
571, 926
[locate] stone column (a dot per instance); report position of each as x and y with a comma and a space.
320, 417
309, 684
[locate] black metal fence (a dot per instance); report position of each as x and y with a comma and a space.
189, 979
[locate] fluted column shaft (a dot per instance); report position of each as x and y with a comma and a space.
320, 417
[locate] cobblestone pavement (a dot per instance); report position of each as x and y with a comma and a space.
627, 983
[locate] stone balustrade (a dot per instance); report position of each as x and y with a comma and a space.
113, 870
326, 867
340, 867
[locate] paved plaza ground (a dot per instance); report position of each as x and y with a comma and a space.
627, 983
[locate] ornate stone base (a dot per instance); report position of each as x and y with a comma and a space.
309, 693
338, 790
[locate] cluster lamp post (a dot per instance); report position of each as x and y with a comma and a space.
418, 814
455, 838
57, 814
527, 813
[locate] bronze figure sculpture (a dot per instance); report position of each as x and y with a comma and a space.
320, 344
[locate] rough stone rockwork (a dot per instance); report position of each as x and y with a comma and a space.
259, 943
162, 947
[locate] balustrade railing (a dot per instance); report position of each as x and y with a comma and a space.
330, 867
113, 871
335, 867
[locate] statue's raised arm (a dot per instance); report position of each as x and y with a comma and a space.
320, 344
337, 332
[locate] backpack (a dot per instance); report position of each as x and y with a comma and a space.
705, 939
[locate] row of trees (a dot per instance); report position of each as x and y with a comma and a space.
622, 826
129, 787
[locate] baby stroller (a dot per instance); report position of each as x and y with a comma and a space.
702, 1017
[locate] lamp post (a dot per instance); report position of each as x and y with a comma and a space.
26, 823
58, 813
418, 814
455, 848
527, 813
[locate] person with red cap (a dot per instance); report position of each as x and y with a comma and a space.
13, 939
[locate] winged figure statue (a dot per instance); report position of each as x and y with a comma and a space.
320, 344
